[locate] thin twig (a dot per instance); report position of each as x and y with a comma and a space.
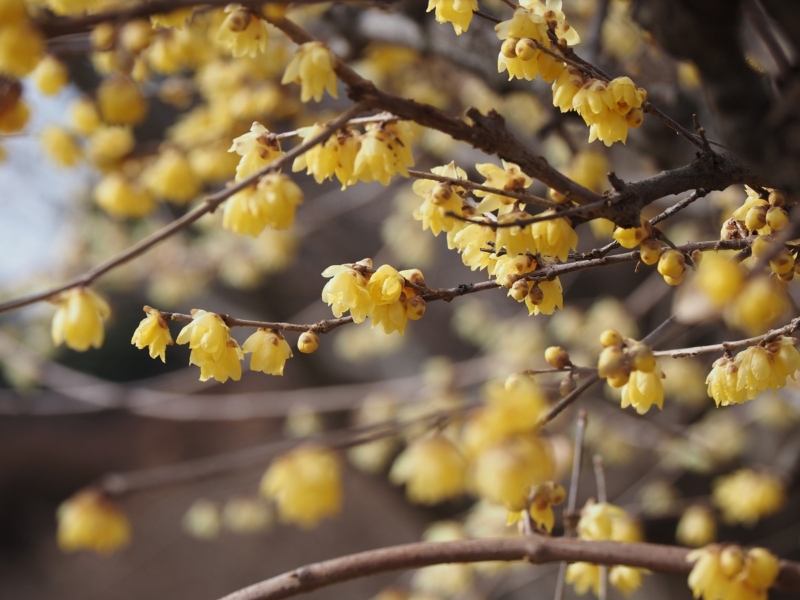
524, 197
208, 205
756, 16
602, 496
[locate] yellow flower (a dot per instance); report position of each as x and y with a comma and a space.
173, 19
597, 521
282, 196
61, 146
625, 579
472, 241
697, 526
759, 306
385, 152
90, 521
347, 290
120, 101
322, 160
432, 468
566, 85
630, 238
258, 148
172, 178
12, 12
507, 266
440, 199
722, 572
213, 349
719, 278
107, 145
457, 12
50, 75
505, 473
202, 520
643, 390
243, 32
269, 351
21, 48
153, 333
509, 178
745, 496
122, 198
391, 317
722, 383
552, 298
312, 67
543, 498
305, 484
385, 285
583, 577
84, 117
516, 239
554, 238
79, 319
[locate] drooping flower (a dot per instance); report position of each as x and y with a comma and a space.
78, 321
722, 572
305, 484
643, 390
90, 521
258, 148
554, 238
153, 333
312, 67
347, 290
457, 12
243, 32
432, 468
269, 350
551, 297
172, 178
213, 349
509, 178
697, 526
385, 152
440, 199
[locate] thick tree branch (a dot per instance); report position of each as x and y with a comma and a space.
536, 549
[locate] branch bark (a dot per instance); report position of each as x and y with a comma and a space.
536, 549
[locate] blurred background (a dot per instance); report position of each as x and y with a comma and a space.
179, 453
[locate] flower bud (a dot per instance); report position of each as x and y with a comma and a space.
610, 337
777, 198
731, 561
611, 362
135, 35
672, 264
756, 217
777, 218
567, 386
308, 342
526, 49
557, 357
508, 47
103, 37
519, 290
782, 263
650, 251
618, 379
635, 117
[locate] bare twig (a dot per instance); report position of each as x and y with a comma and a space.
524, 197
208, 205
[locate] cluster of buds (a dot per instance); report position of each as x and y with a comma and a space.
731, 572
630, 365
782, 260
760, 214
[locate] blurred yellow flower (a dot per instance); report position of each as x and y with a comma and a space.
78, 321
90, 521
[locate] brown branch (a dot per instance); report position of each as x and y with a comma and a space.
208, 205
324, 326
536, 549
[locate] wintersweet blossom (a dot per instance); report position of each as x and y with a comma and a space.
440, 199
746, 496
722, 572
258, 148
312, 67
432, 468
549, 298
243, 32
347, 291
269, 351
153, 333
78, 321
554, 238
90, 521
385, 152
213, 349
305, 484
509, 178
643, 390
457, 12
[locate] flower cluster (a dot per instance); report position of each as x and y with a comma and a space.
722, 572
243, 33
753, 371
384, 151
542, 499
90, 521
526, 33
607, 108
382, 294
78, 321
305, 484
337, 156
757, 215
631, 365
746, 496
601, 521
